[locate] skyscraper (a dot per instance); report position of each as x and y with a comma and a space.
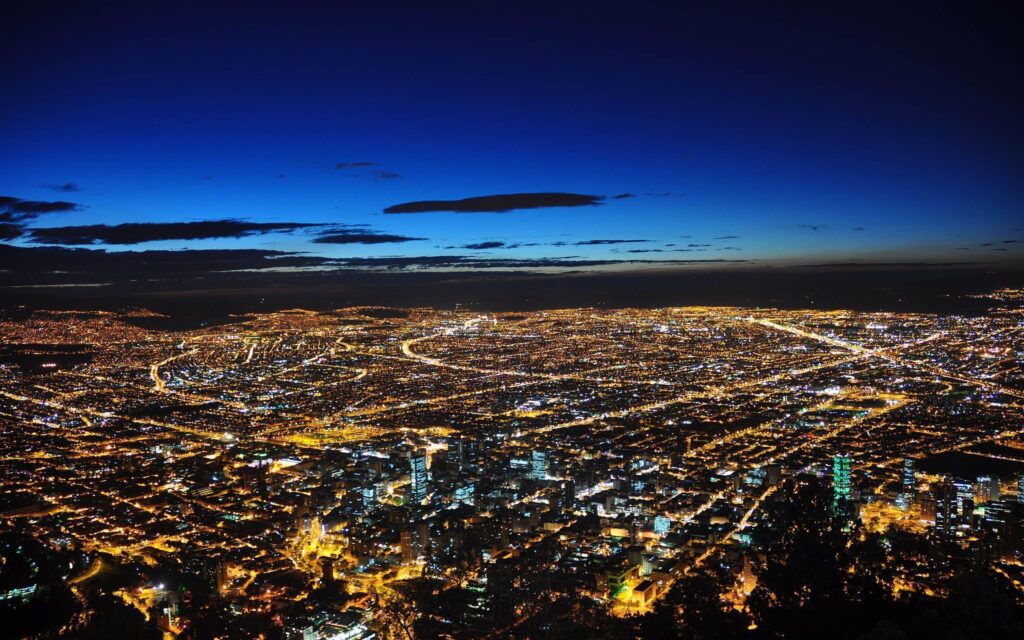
964, 498
539, 465
841, 467
946, 517
908, 493
369, 496
986, 489
418, 476
909, 481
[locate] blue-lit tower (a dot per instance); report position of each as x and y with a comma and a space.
841, 470
539, 465
418, 476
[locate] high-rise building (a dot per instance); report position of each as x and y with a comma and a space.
406, 546
986, 489
370, 497
908, 489
1020, 488
418, 477
539, 465
946, 517
964, 498
566, 496
997, 513
463, 452
926, 506
841, 469
909, 480
456, 451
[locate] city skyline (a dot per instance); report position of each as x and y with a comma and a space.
372, 472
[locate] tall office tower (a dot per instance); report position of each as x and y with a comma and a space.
841, 468
370, 496
327, 569
1020, 488
986, 489
926, 506
909, 481
456, 452
539, 465
418, 474
997, 514
908, 493
406, 545
261, 480
568, 495
946, 516
964, 498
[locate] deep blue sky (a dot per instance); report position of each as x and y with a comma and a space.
788, 130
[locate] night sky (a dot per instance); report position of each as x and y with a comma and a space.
527, 136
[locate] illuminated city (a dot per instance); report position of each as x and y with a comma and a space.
462, 320
312, 469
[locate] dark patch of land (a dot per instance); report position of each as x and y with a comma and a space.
223, 297
962, 464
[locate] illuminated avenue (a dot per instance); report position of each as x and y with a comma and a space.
400, 473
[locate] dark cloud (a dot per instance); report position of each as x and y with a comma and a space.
33, 265
473, 263
731, 249
694, 245
359, 164
985, 244
623, 196
18, 210
645, 251
67, 187
1012, 241
9, 231
857, 229
139, 232
360, 236
354, 169
492, 244
449, 262
592, 242
663, 194
15, 212
813, 227
727, 238
498, 203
